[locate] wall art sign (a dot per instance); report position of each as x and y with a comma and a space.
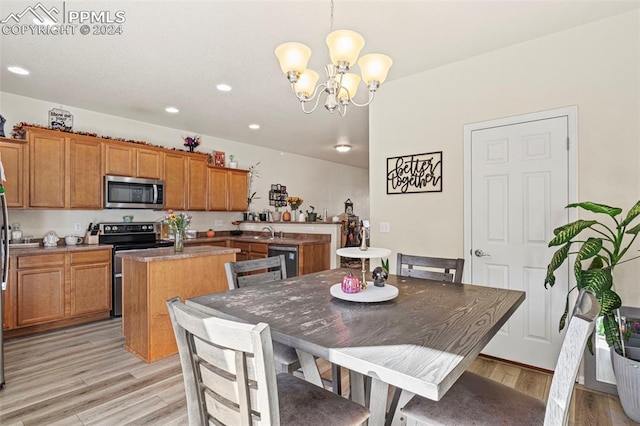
414, 173
60, 119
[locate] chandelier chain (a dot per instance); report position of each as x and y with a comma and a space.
331, 19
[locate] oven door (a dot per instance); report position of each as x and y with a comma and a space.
116, 288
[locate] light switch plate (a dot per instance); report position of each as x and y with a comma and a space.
385, 227
218, 223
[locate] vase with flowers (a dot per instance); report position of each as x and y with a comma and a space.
178, 224
294, 203
191, 142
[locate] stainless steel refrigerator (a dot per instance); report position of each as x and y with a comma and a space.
5, 269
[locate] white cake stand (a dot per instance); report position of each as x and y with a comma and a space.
370, 253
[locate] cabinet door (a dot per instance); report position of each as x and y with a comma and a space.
238, 188
90, 288
90, 278
175, 181
197, 184
47, 171
149, 163
13, 160
85, 174
40, 295
119, 159
217, 188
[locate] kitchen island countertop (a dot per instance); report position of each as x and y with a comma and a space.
168, 253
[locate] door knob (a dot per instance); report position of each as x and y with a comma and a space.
480, 253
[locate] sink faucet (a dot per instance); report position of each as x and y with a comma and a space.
271, 230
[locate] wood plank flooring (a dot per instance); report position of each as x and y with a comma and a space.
84, 376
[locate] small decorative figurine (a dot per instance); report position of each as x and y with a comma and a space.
379, 276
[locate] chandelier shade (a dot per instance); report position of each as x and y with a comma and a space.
293, 57
340, 87
344, 47
374, 67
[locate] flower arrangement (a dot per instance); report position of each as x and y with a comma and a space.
294, 202
178, 222
191, 142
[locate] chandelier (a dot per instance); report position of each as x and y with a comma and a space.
340, 86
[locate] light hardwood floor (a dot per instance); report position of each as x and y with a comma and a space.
84, 376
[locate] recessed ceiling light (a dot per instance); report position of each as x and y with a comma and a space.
172, 110
254, 126
343, 147
223, 87
18, 70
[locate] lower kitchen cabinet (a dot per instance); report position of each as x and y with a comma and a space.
53, 290
250, 251
90, 282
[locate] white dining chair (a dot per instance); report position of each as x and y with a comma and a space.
476, 400
230, 379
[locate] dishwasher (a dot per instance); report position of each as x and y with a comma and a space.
290, 253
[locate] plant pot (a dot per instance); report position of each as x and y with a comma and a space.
627, 373
276, 216
312, 217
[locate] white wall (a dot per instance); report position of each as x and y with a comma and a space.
320, 183
595, 66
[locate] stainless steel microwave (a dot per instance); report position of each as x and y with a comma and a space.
133, 193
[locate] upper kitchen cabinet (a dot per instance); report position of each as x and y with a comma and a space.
227, 189
197, 183
124, 159
14, 154
47, 155
64, 172
85, 173
175, 181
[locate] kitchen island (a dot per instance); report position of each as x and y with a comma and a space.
150, 277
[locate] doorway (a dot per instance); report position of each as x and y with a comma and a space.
520, 173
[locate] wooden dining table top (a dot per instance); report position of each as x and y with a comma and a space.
420, 341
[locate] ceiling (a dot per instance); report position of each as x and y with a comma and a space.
175, 52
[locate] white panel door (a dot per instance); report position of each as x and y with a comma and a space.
519, 190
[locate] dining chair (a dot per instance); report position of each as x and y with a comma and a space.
474, 399
261, 271
431, 268
246, 273
229, 377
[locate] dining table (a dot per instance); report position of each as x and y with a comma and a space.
421, 340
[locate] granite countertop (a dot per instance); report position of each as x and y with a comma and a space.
300, 239
60, 248
168, 253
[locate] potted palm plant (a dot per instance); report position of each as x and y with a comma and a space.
596, 255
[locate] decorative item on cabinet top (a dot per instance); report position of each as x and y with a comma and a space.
60, 119
191, 142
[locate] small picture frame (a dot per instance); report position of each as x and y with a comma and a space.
218, 159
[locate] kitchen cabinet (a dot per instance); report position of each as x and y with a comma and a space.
227, 190
63, 172
175, 181
197, 183
85, 173
126, 159
250, 251
40, 289
14, 156
90, 279
47, 158
57, 289
314, 258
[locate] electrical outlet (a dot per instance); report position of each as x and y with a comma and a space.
385, 227
310, 228
218, 223
77, 227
